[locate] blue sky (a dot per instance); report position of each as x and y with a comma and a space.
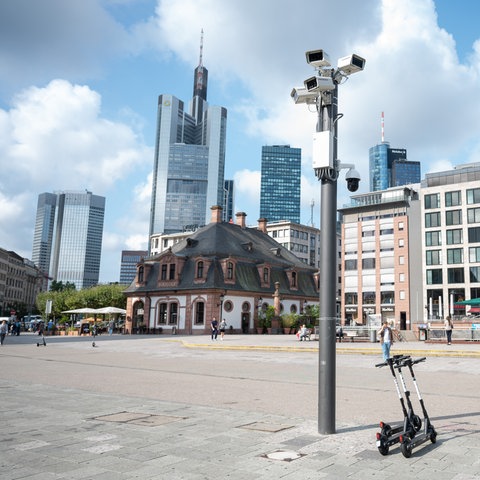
79, 83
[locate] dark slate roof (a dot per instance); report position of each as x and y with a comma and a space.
248, 246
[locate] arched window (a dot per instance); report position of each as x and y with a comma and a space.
200, 269
199, 313
230, 271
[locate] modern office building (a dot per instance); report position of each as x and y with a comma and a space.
381, 261
229, 201
389, 167
128, 264
68, 236
189, 163
280, 183
451, 240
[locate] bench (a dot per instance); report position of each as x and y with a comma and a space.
351, 334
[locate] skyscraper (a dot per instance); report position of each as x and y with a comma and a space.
128, 265
189, 163
229, 201
280, 183
68, 235
389, 167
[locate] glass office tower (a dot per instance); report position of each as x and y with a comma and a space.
189, 163
389, 167
68, 236
280, 183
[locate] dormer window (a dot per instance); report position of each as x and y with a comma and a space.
163, 274
200, 269
140, 274
294, 279
230, 271
266, 275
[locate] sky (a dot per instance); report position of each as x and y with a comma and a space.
79, 85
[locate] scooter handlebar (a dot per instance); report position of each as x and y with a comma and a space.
418, 360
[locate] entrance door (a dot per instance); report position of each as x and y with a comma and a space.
245, 322
403, 320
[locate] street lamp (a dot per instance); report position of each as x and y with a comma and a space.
321, 90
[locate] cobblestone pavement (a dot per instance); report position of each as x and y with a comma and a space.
245, 408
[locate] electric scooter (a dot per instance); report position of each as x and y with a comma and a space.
390, 435
407, 441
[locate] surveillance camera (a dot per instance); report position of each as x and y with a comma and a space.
317, 58
319, 84
353, 179
301, 95
351, 64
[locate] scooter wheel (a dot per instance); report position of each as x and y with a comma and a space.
407, 448
433, 436
383, 449
417, 423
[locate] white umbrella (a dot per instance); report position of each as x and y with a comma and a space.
81, 310
110, 310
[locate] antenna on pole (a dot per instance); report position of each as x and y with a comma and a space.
383, 128
200, 62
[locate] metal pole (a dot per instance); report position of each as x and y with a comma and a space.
328, 278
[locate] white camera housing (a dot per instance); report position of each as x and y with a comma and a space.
351, 64
319, 84
322, 152
301, 95
318, 58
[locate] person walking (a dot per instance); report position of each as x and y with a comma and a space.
386, 339
223, 326
214, 328
448, 329
3, 331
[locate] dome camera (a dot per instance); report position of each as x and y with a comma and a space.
353, 180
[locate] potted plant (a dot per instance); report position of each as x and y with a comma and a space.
289, 321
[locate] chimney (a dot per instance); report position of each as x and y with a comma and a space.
241, 219
216, 214
262, 225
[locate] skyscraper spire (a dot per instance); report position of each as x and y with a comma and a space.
383, 128
200, 62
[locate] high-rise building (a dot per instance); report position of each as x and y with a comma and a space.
389, 167
229, 201
189, 163
280, 183
68, 235
128, 266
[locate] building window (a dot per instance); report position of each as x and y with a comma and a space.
433, 257
294, 279
401, 260
387, 297
351, 298
473, 196
368, 298
199, 313
453, 217
230, 271
163, 274
200, 269
474, 235
474, 274
245, 307
172, 272
454, 237
432, 220
456, 275
162, 313
351, 265
433, 239
293, 309
401, 295
474, 254
473, 215
368, 263
401, 242
401, 277
266, 275
434, 276
401, 226
228, 306
172, 318
432, 201
454, 255
140, 274
452, 199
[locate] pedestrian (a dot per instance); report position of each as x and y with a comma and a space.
448, 329
223, 326
303, 333
3, 331
214, 328
386, 339
111, 324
